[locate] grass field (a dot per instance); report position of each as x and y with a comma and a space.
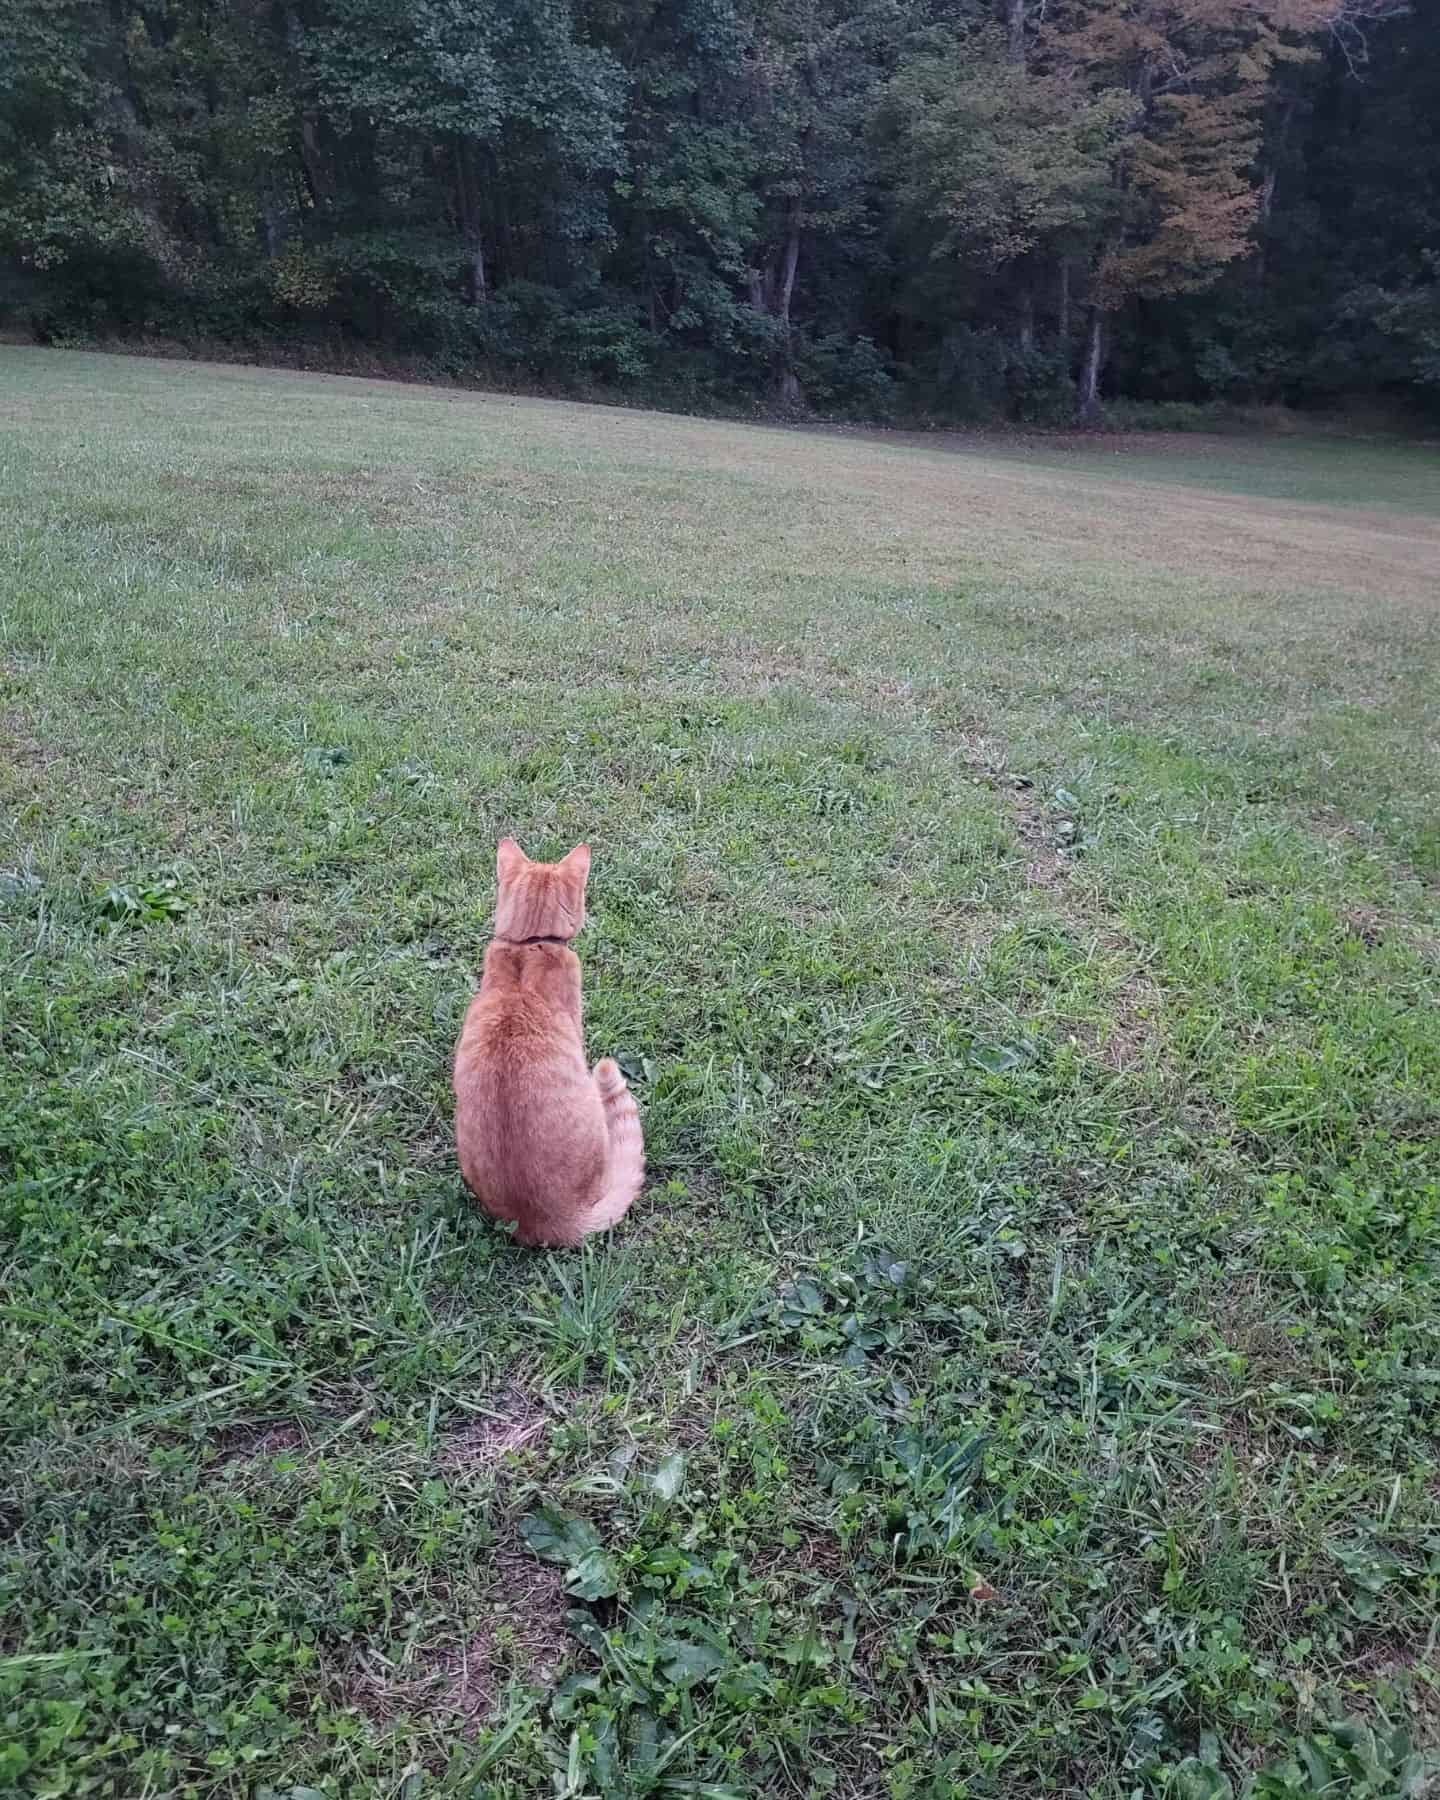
1017, 903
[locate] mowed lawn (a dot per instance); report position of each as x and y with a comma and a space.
1016, 901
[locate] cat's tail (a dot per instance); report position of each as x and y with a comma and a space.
625, 1169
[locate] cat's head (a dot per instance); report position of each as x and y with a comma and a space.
536, 899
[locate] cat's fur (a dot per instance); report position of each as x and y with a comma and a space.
541, 1139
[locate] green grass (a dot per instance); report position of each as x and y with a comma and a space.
1341, 472
1015, 902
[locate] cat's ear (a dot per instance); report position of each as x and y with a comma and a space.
509, 858
578, 861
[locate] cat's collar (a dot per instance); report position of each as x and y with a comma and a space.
524, 943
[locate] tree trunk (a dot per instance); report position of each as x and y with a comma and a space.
1015, 30
1089, 391
1262, 228
312, 162
1025, 309
467, 187
1062, 306
1275, 143
792, 397
789, 264
503, 259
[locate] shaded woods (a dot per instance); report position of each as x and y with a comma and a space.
879, 208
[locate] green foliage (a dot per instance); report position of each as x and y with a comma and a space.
846, 378
593, 338
145, 902
996, 163
1354, 1758
590, 1574
970, 374
865, 211
472, 74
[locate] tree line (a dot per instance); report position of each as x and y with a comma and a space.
956, 209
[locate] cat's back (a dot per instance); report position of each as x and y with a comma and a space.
529, 1125
519, 1020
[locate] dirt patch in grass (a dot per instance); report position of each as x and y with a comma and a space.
255, 1443
1047, 863
484, 1442
1366, 923
1048, 856
1135, 1009
819, 1555
20, 749
1374, 927
455, 1688
532, 1631
516, 1636
1126, 1038
512, 1632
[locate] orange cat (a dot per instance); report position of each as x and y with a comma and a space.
542, 1141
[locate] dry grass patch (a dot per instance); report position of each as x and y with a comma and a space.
483, 1443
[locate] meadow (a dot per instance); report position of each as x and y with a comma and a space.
1016, 903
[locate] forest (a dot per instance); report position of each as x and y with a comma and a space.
1039, 211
